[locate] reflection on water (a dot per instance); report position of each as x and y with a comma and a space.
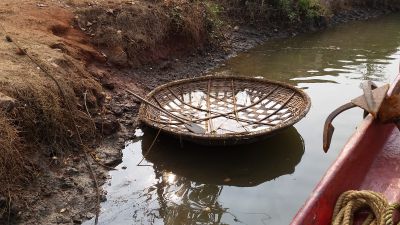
259, 184
175, 184
243, 166
191, 179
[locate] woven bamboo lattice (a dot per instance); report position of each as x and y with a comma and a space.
232, 109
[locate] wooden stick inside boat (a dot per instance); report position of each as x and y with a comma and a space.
195, 128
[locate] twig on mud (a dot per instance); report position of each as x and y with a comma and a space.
87, 109
91, 171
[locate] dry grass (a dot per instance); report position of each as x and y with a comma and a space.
136, 34
13, 164
43, 111
40, 124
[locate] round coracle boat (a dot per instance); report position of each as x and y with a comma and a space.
224, 110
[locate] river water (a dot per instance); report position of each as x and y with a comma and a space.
266, 182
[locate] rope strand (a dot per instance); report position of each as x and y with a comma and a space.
380, 212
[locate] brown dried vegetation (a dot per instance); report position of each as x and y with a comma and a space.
35, 111
132, 35
41, 117
14, 166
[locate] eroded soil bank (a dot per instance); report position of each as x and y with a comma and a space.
66, 64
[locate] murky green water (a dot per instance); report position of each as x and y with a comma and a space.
266, 182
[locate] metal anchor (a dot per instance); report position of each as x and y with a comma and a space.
374, 101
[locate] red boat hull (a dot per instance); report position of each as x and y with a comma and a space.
369, 161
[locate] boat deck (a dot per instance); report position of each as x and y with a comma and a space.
384, 173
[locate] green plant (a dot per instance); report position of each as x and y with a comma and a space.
310, 9
301, 10
288, 10
213, 14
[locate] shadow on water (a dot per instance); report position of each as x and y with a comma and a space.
243, 165
191, 179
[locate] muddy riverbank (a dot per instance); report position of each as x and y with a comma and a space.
56, 186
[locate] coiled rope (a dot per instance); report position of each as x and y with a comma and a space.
350, 202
